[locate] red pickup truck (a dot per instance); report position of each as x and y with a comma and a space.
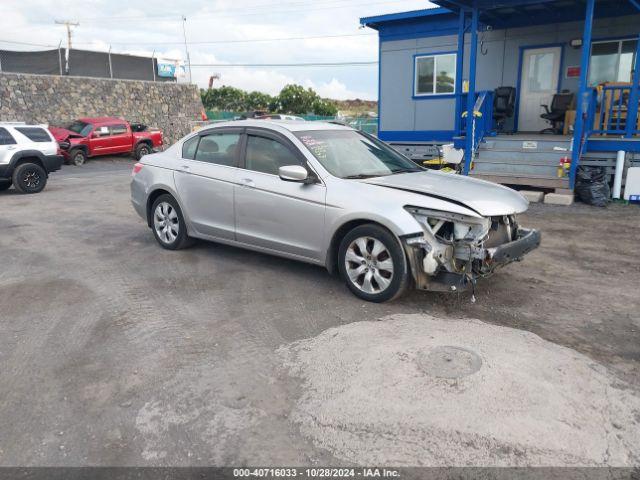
92, 137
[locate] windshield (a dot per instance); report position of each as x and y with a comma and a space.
352, 154
80, 128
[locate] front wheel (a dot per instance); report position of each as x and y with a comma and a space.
5, 185
373, 264
29, 178
168, 224
78, 157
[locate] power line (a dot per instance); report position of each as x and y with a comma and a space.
28, 44
282, 65
255, 40
237, 12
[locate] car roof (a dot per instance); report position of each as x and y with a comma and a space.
291, 125
23, 124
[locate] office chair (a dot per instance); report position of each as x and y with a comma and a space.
504, 102
560, 103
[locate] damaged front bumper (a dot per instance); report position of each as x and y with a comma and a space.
481, 262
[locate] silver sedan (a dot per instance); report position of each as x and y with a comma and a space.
330, 195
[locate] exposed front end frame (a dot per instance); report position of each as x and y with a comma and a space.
454, 250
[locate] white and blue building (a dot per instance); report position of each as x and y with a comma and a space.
439, 67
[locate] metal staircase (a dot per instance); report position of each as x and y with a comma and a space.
521, 159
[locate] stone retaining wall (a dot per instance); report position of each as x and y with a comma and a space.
56, 100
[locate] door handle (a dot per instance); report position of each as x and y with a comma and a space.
247, 182
11, 147
186, 169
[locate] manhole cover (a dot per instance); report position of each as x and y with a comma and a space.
449, 362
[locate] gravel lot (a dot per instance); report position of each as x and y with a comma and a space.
116, 352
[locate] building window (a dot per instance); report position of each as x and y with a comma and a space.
435, 74
612, 61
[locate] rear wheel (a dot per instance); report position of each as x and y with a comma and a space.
5, 185
29, 178
168, 224
78, 157
373, 264
141, 150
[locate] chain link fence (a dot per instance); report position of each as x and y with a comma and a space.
366, 124
82, 63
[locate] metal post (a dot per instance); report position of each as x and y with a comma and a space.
582, 106
468, 151
153, 66
110, 65
634, 96
184, 34
60, 56
459, 71
68, 24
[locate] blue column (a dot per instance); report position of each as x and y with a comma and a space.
632, 107
459, 70
471, 95
582, 106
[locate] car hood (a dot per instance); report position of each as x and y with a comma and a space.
62, 133
486, 198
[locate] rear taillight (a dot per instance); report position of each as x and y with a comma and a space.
136, 169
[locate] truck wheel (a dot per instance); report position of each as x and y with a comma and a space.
29, 178
5, 185
141, 150
78, 157
373, 264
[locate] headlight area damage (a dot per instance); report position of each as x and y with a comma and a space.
454, 250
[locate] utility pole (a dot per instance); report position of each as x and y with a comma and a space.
68, 24
186, 48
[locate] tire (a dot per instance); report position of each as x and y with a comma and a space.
168, 225
379, 273
142, 149
29, 178
5, 185
78, 157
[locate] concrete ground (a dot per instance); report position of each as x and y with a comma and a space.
116, 352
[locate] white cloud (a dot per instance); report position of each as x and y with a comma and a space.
102, 25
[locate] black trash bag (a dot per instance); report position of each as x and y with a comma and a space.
592, 186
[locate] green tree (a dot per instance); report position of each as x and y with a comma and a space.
224, 98
324, 107
258, 101
296, 99
292, 99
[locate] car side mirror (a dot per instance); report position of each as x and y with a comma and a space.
293, 173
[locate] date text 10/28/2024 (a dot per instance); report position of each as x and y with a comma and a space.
316, 472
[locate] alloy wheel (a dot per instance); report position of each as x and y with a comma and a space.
369, 265
166, 222
31, 179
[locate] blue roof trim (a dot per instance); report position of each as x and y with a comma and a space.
393, 17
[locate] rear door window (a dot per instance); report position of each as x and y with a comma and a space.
35, 134
219, 148
5, 137
118, 129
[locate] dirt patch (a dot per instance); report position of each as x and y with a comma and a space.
418, 390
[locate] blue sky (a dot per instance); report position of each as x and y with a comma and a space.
141, 28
